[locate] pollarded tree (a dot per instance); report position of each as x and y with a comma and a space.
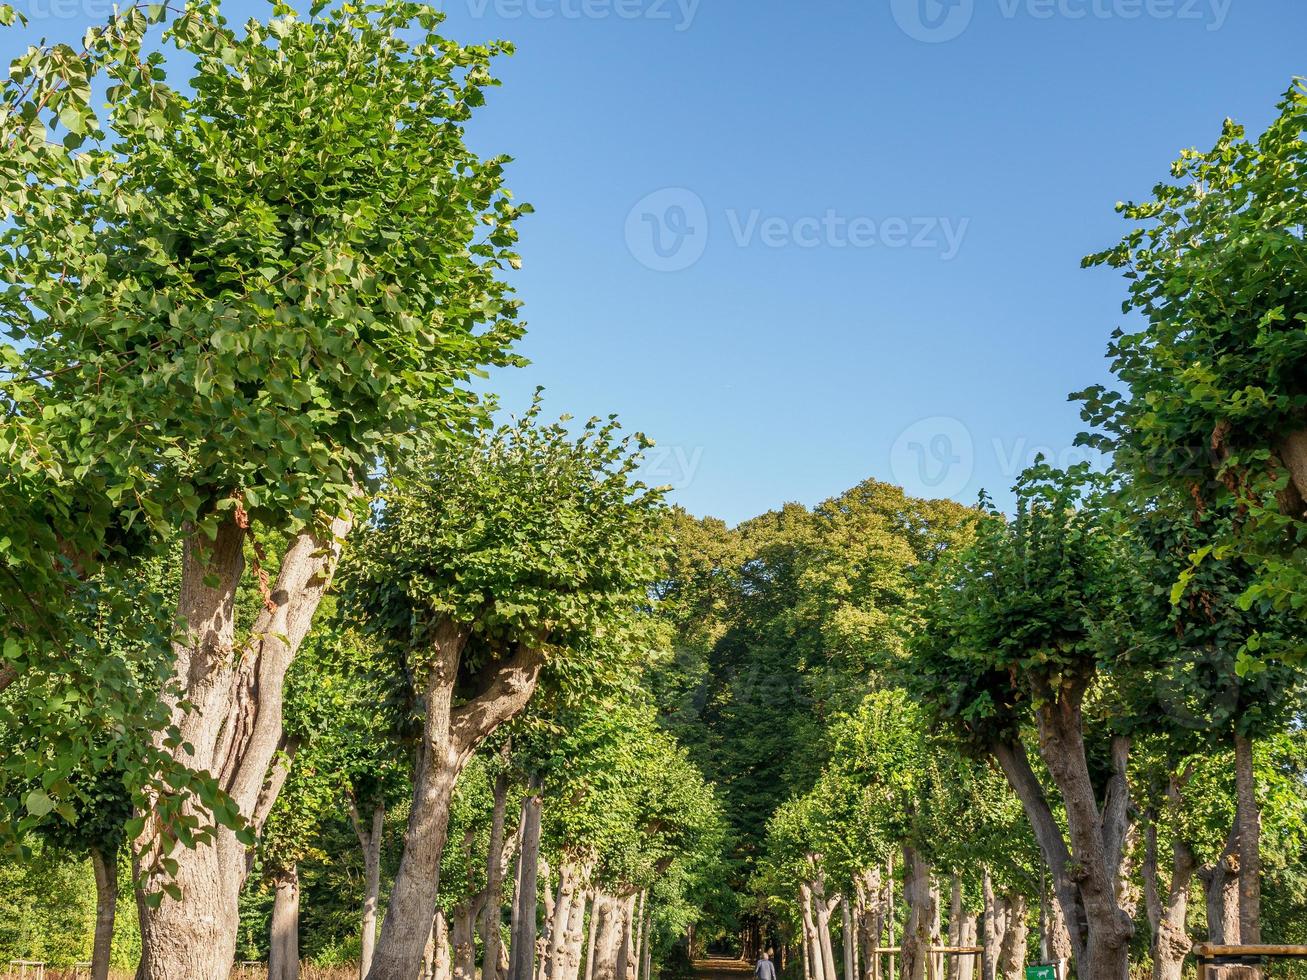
1027, 625
251, 292
1216, 405
527, 548
1192, 697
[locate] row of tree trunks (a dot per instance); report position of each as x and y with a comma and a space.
962, 931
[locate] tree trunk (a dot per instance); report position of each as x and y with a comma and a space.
817, 970
1012, 950
491, 915
569, 883
1250, 843
647, 955
522, 942
1293, 453
438, 955
923, 912
995, 926
284, 944
847, 941
450, 736
1221, 890
609, 937
807, 956
575, 939
370, 841
954, 966
228, 715
822, 907
967, 962
104, 861
639, 934
626, 954
590, 938
1012, 758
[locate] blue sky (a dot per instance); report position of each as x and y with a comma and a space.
804, 243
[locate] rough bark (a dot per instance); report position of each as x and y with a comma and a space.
462, 935
228, 709
629, 964
569, 884
1167, 907
1250, 840
610, 937
1012, 759
570, 966
522, 941
1293, 453
284, 943
104, 861
1098, 839
438, 957
450, 736
369, 837
1012, 949
1221, 891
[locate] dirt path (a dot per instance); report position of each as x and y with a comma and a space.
720, 969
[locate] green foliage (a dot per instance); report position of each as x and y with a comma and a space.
1214, 378
525, 535
1031, 610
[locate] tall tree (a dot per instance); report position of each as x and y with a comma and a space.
225, 322
528, 547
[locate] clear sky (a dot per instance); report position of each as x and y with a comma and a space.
804, 243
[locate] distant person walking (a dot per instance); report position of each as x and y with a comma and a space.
765, 970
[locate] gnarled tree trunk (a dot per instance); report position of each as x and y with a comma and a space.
610, 937
450, 735
1012, 949
229, 714
816, 968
